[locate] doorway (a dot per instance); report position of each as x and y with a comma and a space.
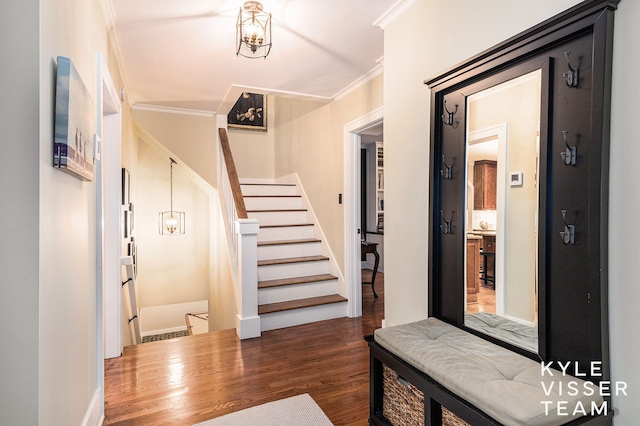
353, 133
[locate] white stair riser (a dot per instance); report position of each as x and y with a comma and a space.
293, 317
286, 233
297, 291
272, 203
279, 218
292, 270
268, 189
283, 251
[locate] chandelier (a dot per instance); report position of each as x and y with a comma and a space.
171, 222
253, 31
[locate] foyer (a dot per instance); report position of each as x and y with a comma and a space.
191, 379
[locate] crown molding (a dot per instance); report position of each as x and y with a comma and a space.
109, 20
171, 110
362, 80
393, 13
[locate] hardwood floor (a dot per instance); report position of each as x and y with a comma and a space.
486, 301
192, 379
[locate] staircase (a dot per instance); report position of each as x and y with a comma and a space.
295, 285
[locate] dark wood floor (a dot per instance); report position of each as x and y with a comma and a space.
192, 379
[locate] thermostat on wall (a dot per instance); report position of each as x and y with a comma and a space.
515, 179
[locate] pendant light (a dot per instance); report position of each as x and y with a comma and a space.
171, 222
253, 31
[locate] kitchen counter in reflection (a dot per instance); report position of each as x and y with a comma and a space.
482, 233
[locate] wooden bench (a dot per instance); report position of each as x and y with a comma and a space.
478, 381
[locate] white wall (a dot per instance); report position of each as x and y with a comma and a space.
624, 203
19, 192
447, 36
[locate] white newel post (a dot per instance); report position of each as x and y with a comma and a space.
247, 320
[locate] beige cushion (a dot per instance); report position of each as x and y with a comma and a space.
505, 385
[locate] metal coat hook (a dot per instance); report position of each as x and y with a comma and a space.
569, 233
446, 227
570, 154
446, 171
572, 76
447, 117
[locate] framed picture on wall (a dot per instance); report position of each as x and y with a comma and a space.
249, 112
73, 146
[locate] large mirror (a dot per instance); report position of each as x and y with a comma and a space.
502, 203
519, 188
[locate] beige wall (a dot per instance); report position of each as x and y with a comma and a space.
171, 269
69, 366
312, 145
190, 137
253, 150
469, 28
20, 192
194, 266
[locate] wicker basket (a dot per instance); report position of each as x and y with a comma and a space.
403, 403
450, 419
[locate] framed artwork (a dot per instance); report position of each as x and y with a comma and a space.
73, 145
249, 112
126, 184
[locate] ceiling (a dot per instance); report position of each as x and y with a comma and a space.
181, 53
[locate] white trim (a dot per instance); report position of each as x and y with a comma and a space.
171, 110
234, 92
393, 13
108, 197
362, 80
352, 276
94, 415
248, 327
110, 20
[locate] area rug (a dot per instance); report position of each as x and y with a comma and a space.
299, 410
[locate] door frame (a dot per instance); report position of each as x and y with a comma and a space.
352, 256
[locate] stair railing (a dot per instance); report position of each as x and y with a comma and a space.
242, 233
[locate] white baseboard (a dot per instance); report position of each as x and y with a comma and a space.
519, 321
94, 415
163, 331
168, 318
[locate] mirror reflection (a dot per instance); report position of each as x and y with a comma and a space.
502, 151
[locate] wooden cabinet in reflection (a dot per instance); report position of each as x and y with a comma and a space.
473, 268
484, 184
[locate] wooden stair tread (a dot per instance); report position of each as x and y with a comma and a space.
268, 184
287, 242
267, 262
272, 196
286, 225
297, 280
275, 210
300, 303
